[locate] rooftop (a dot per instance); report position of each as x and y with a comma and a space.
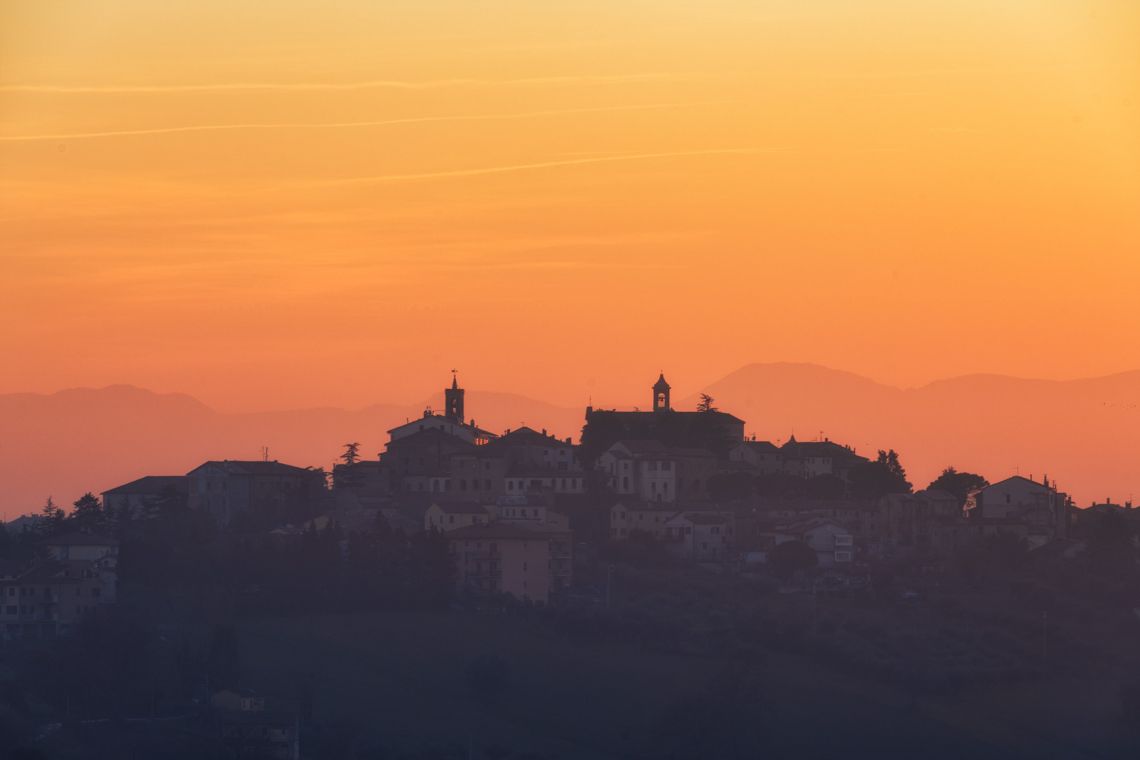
150, 485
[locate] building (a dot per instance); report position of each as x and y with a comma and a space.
831, 541
537, 462
927, 523
712, 430
422, 462
762, 457
452, 515
48, 598
650, 470
506, 558
701, 536
809, 459
630, 518
264, 493
452, 421
1034, 511
141, 497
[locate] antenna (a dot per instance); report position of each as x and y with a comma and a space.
264, 453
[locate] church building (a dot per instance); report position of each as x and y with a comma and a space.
452, 421
713, 430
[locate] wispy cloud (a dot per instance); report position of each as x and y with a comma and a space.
342, 124
392, 84
540, 165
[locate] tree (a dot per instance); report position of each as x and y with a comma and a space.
87, 514
706, 403
873, 480
51, 519
791, 557
351, 453
960, 484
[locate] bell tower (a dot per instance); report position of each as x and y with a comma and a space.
661, 394
453, 400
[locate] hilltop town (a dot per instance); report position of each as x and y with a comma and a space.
648, 508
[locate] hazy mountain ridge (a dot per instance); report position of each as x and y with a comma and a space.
1083, 432
65, 443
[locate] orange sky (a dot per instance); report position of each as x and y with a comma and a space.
270, 204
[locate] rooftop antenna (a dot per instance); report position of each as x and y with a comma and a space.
264, 453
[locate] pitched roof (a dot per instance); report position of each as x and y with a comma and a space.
530, 437
764, 446
440, 421
818, 449
256, 467
150, 485
1021, 478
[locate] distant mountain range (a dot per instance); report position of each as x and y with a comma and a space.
1083, 433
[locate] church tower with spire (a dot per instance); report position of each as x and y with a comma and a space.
661, 394
453, 401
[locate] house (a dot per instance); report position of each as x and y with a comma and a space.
505, 558
631, 517
809, 459
452, 515
141, 497
654, 472
929, 522
832, 542
763, 457
1022, 506
701, 536
81, 546
48, 598
261, 491
421, 462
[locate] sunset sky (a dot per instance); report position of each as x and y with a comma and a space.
273, 204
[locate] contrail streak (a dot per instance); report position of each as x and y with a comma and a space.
394, 84
340, 124
540, 165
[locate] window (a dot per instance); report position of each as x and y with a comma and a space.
842, 556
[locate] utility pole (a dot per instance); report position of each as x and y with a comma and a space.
609, 583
